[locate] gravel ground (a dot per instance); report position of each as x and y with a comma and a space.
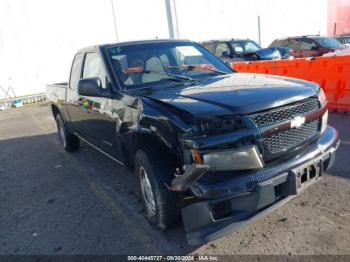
53, 202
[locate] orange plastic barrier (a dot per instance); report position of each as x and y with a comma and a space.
331, 73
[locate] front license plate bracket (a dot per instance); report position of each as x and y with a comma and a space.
307, 174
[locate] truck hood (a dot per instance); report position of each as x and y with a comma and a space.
237, 93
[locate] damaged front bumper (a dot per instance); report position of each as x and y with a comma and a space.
222, 206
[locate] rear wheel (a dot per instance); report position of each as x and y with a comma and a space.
70, 142
162, 206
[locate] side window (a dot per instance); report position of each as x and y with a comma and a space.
75, 71
250, 47
284, 43
294, 44
280, 43
220, 48
93, 67
210, 47
274, 43
237, 48
308, 44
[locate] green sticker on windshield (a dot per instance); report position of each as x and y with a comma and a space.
115, 50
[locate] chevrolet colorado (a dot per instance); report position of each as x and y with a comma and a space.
213, 147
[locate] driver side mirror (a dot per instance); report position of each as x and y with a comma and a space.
91, 86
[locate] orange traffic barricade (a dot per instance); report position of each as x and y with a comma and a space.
331, 73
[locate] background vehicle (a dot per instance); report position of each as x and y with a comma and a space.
244, 50
217, 147
308, 46
344, 39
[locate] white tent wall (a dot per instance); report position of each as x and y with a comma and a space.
38, 38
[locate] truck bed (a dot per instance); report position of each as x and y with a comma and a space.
56, 92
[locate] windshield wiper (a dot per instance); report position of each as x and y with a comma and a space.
197, 68
184, 78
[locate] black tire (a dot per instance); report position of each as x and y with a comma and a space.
167, 210
70, 142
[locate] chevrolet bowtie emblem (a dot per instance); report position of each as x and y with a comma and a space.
297, 122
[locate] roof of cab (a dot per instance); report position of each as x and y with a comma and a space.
300, 36
226, 40
95, 47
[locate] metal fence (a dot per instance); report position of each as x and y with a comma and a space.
22, 100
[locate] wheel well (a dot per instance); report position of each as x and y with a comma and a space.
55, 110
143, 141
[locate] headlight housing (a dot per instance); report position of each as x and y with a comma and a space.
323, 100
243, 158
219, 125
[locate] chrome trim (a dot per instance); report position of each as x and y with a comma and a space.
285, 125
100, 150
324, 121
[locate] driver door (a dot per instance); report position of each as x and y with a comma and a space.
91, 117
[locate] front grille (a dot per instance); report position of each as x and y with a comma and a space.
283, 141
286, 113
290, 138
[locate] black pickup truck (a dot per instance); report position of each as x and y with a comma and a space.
213, 147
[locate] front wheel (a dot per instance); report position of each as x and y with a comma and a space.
162, 206
70, 142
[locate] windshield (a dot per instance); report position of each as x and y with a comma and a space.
243, 47
344, 40
149, 64
328, 42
